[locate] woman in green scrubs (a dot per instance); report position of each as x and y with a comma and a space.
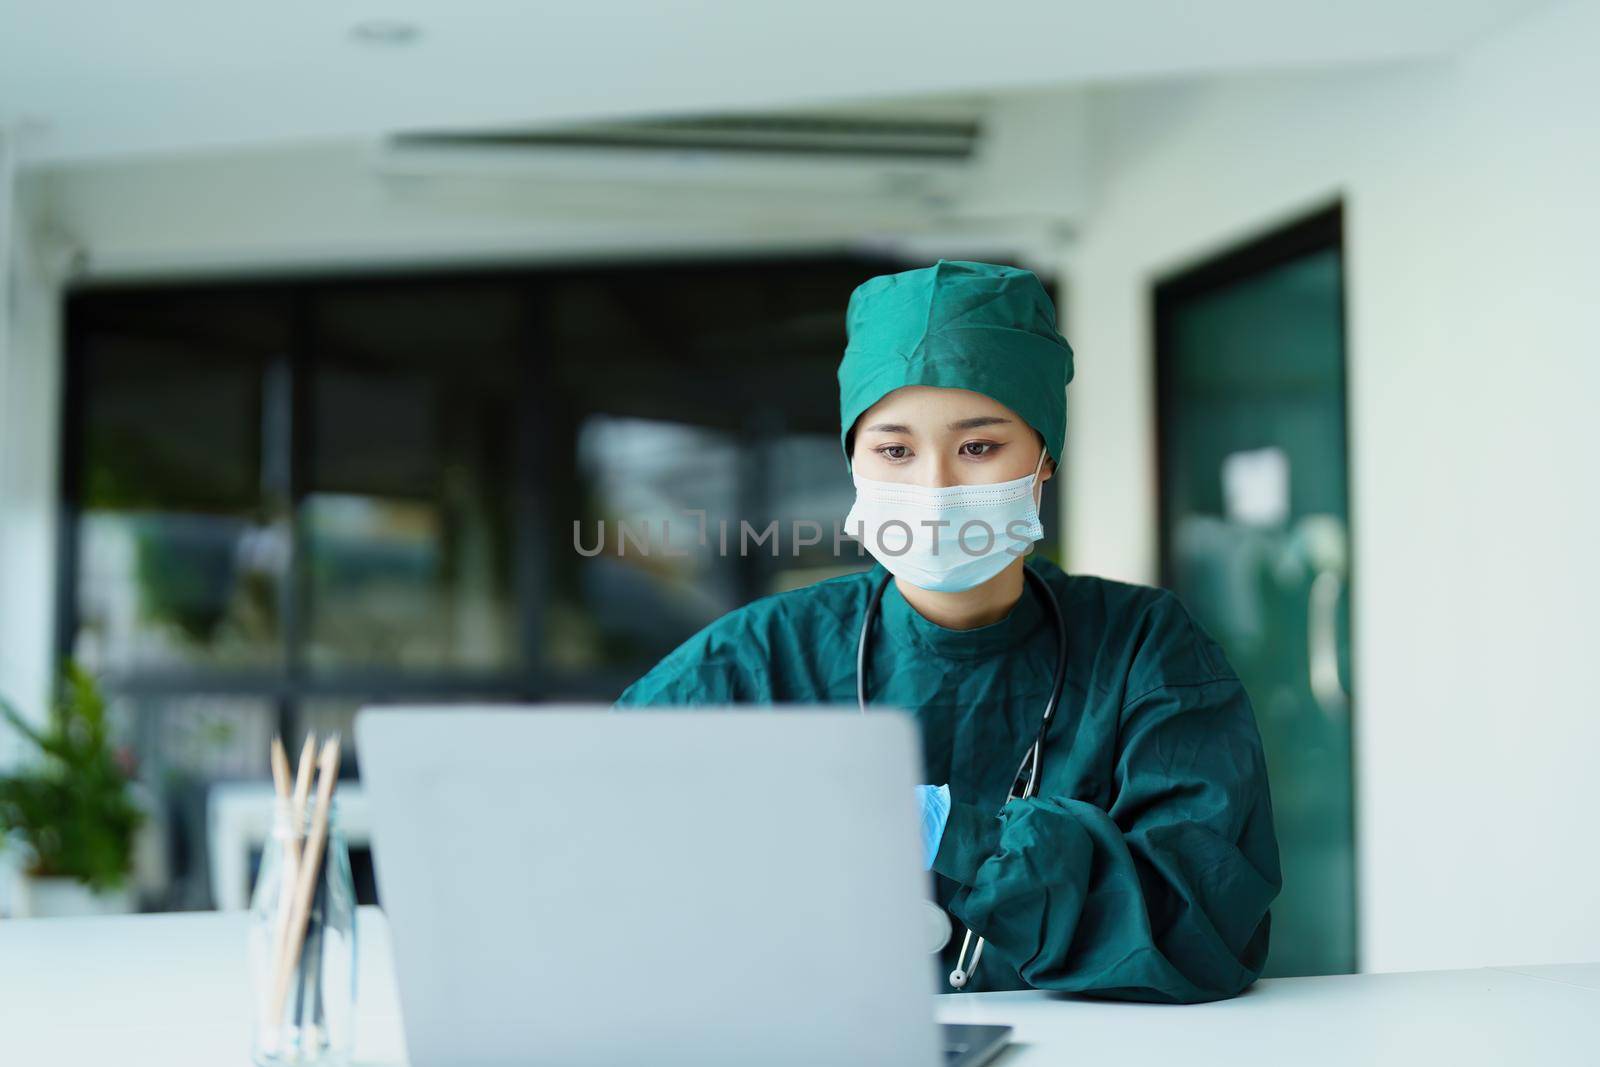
1144, 865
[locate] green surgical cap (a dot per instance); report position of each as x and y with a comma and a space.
959, 325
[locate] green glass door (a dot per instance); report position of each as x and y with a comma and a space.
1254, 539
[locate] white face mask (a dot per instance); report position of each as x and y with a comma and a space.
947, 538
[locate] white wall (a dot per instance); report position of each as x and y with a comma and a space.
1473, 283
329, 204
29, 380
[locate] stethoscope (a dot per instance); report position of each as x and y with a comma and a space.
1029, 768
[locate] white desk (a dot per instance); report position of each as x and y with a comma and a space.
174, 990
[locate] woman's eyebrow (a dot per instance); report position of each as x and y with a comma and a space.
960, 424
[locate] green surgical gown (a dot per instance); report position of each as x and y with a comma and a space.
1145, 866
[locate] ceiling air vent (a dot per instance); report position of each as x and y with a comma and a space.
820, 152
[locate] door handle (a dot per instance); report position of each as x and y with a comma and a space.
1322, 540
1322, 635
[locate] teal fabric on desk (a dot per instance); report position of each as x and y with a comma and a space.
1145, 867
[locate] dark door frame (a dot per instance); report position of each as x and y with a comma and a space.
1319, 231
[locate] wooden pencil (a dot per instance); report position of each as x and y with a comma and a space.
294, 811
286, 875
302, 781
280, 770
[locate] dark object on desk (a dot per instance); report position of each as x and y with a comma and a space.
972, 1046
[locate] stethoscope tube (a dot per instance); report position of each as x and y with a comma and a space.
1030, 767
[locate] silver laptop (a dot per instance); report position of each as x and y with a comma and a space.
580, 886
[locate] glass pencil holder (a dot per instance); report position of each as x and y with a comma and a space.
302, 943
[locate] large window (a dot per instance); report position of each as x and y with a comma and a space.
287, 500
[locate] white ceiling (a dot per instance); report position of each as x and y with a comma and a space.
108, 78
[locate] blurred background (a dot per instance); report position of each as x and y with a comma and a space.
324, 323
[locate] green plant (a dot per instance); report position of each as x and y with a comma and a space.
72, 807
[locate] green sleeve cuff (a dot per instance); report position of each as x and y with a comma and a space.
971, 835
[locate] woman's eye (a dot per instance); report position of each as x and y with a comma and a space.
978, 448
894, 451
